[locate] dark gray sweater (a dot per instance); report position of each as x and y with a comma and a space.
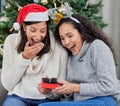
94, 69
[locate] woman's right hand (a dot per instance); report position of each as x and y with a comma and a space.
43, 90
67, 88
31, 51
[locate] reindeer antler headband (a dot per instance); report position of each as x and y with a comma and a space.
66, 12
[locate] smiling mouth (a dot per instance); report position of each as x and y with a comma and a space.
35, 42
71, 48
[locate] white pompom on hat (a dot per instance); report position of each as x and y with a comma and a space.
31, 13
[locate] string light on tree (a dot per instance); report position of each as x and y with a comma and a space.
83, 7
4, 18
35, 1
19, 7
44, 2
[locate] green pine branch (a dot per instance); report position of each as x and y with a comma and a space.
82, 7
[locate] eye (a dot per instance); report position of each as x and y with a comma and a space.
32, 29
44, 30
61, 38
70, 35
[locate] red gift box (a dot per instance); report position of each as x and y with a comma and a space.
50, 86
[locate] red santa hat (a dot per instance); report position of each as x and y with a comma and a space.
31, 13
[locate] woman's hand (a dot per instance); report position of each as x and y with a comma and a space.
67, 88
31, 51
43, 90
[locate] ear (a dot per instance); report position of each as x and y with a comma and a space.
24, 27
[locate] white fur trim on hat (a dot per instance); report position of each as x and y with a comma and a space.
16, 26
38, 16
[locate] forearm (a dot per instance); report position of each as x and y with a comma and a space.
98, 88
12, 74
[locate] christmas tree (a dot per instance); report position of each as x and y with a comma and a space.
84, 7
12, 7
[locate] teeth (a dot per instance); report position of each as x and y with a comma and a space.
70, 46
36, 41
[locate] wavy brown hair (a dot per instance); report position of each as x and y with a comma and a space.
86, 28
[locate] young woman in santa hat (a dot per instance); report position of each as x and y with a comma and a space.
29, 56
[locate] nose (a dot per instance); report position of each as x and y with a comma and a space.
38, 36
66, 41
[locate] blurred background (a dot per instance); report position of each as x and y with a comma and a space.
111, 15
109, 10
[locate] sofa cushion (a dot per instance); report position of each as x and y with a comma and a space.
3, 92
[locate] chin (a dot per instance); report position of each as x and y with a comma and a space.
75, 53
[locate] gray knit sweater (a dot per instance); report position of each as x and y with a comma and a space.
94, 69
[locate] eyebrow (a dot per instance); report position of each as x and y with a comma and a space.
43, 28
66, 34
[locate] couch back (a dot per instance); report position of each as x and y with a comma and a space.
3, 92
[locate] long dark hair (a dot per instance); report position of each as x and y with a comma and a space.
23, 41
86, 28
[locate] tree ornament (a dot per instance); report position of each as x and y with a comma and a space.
44, 2
58, 17
36, 1
5, 19
19, 7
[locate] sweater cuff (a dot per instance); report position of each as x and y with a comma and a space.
87, 89
22, 61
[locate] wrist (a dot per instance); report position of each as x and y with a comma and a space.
76, 88
24, 56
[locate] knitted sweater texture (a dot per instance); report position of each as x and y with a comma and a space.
18, 75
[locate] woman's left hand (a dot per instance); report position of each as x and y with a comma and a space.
67, 88
43, 90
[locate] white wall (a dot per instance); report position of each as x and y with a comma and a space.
111, 15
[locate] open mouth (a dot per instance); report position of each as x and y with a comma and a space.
35, 41
71, 48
